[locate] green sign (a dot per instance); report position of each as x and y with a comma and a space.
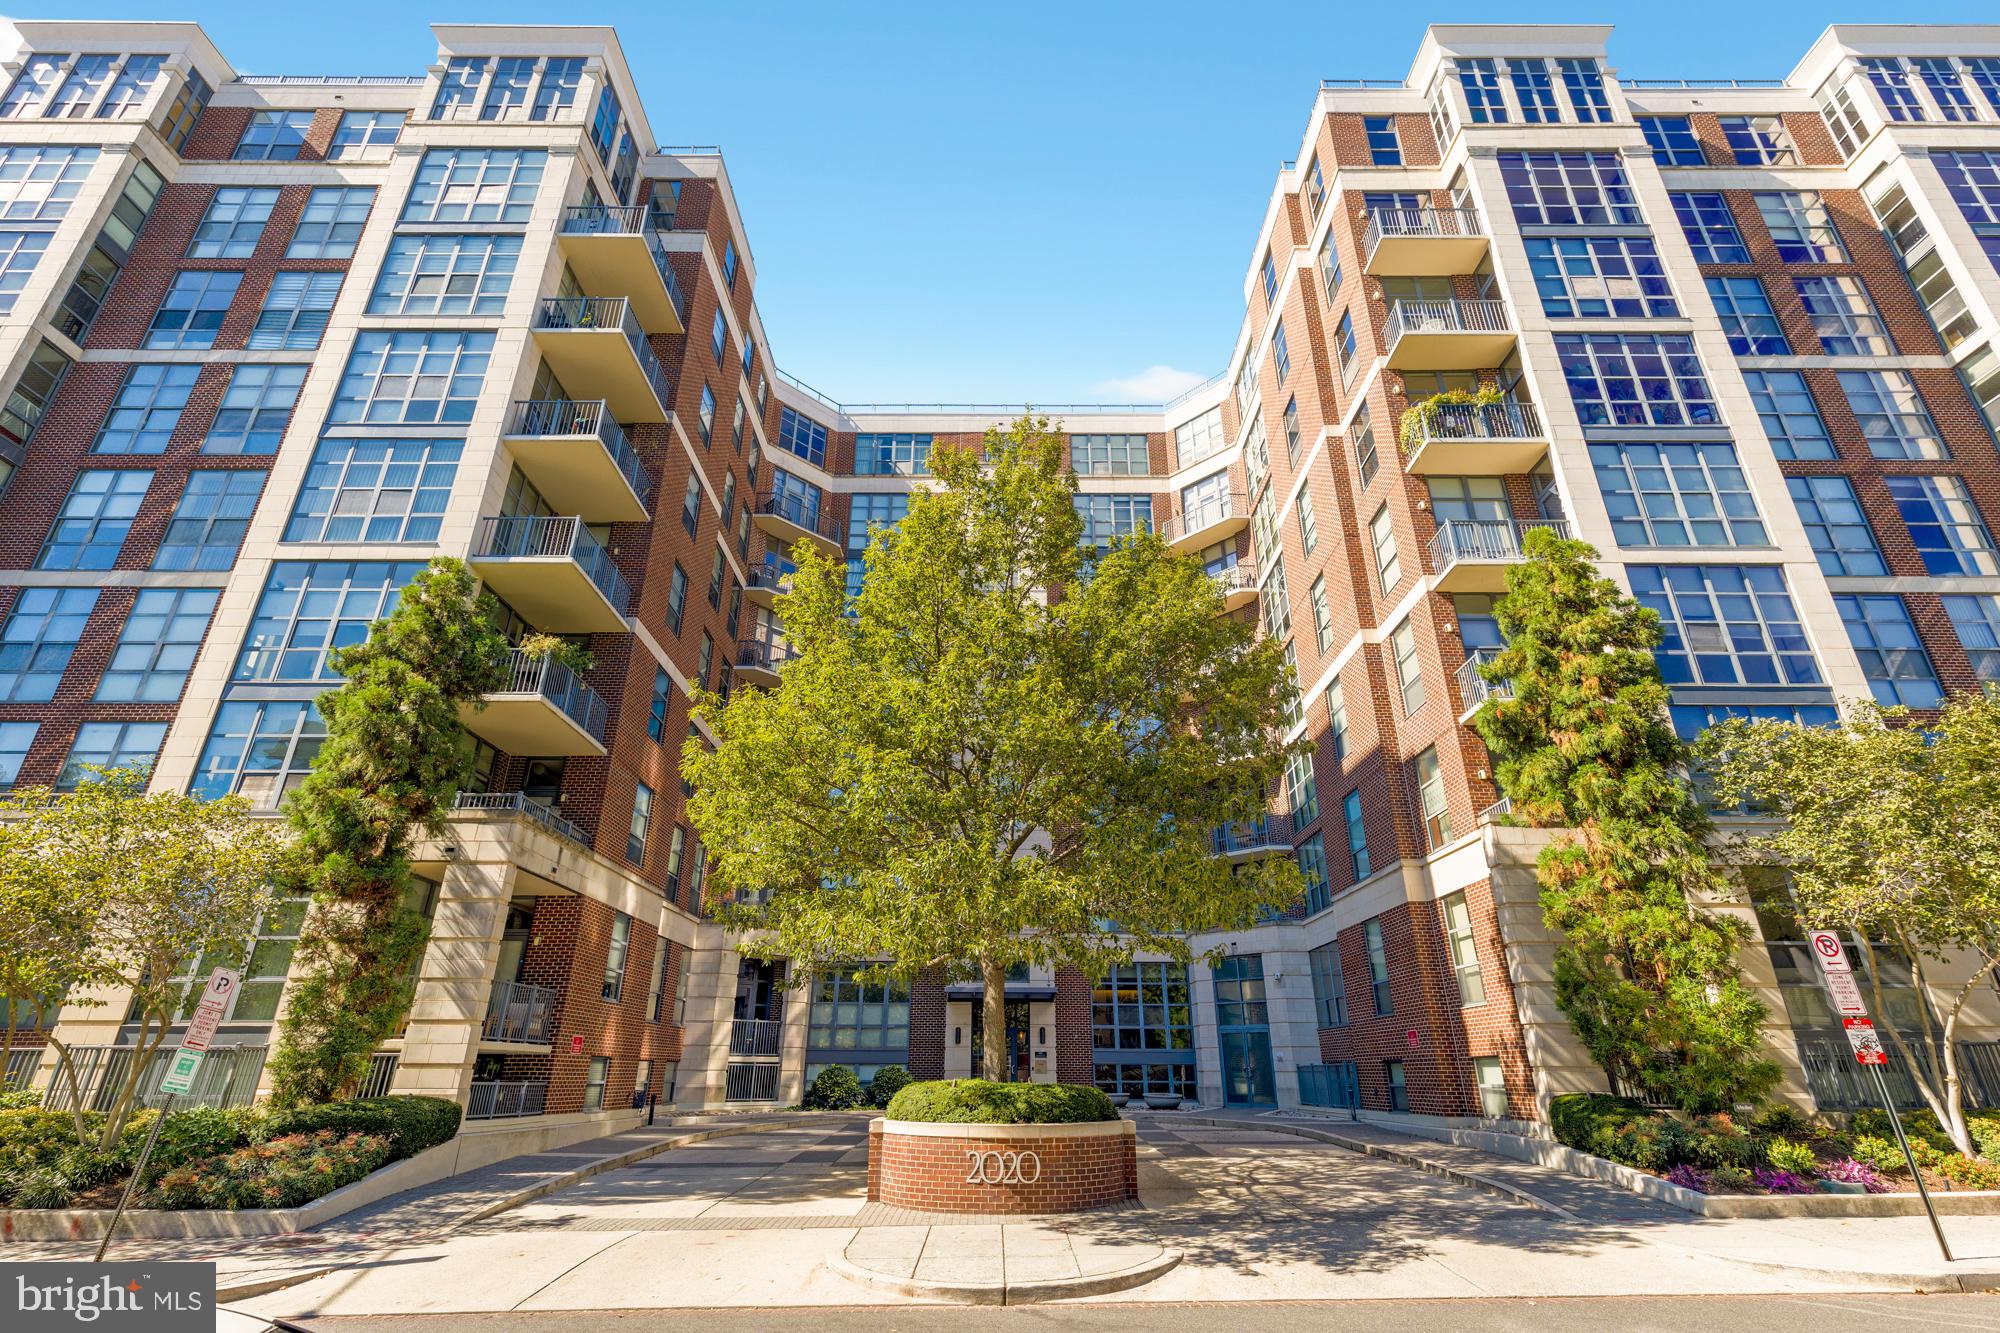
181, 1071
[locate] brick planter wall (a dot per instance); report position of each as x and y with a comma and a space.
1024, 1169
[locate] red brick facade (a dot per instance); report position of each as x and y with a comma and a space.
1025, 1169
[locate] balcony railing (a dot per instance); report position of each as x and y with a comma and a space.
764, 654
516, 1011
756, 1036
1208, 513
497, 1099
800, 512
1460, 539
560, 686
563, 416
1473, 688
1239, 577
519, 803
1271, 833
769, 577
228, 1077
1406, 317
1510, 420
750, 1082
564, 314
1391, 223
627, 220
530, 537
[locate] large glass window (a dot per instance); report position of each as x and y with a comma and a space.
1843, 317
91, 529
1759, 141
1109, 455
1534, 90
1800, 226
802, 436
273, 136
20, 251
110, 745
135, 80
31, 87
233, 223
38, 182
16, 739
375, 490
1944, 525
366, 136
256, 408
1378, 968
1569, 189
1329, 983
1584, 82
1836, 526
331, 222
1672, 140
411, 376
38, 640
1725, 625
432, 274
1464, 950
259, 749
1892, 414
191, 313
1598, 277
1677, 495
1479, 77
1432, 799
148, 407
869, 1022
1790, 417
1636, 379
210, 519
157, 647
1106, 518
1892, 656
1711, 230
1409, 672
1382, 536
296, 310
475, 185
1976, 619
892, 455
1196, 439
309, 609
1142, 1031
1747, 318
1311, 856
1357, 837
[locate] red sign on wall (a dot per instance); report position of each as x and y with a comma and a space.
576, 1044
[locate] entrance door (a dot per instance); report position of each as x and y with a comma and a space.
1020, 1054
1244, 1027
1247, 1077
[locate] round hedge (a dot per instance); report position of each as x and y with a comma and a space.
977, 1101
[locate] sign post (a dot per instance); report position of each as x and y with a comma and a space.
1868, 1052
178, 1081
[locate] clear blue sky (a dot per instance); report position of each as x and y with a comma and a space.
992, 202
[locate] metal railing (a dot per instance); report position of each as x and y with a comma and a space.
21, 1065
564, 416
1239, 577
770, 577
1395, 223
612, 313
1335, 1085
762, 654
381, 1074
750, 1082
1444, 317
527, 537
228, 1077
1703, 83
1271, 833
1361, 83
627, 220
1509, 420
519, 803
498, 1099
1484, 539
756, 1036
1210, 511
1500, 809
800, 513
1473, 688
1979, 1066
351, 80
516, 1011
550, 679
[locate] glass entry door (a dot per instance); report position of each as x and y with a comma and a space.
1019, 1055
1243, 1024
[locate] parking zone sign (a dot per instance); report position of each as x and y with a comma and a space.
1867, 1046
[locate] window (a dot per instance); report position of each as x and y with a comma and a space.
1569, 189
729, 262
718, 336
1270, 276
1206, 501
802, 436
1672, 140
1836, 526
1343, 343
40, 635
1677, 495
1357, 837
1747, 317
1110, 455
273, 136
1711, 231
1534, 90
1973, 181
190, 100
148, 407
30, 395
374, 490
1336, 718
614, 957
296, 310
38, 182
594, 1079
365, 135
1801, 227
1365, 462
1786, 410
1409, 672
411, 376
16, 739
210, 519
1281, 353
1976, 619
191, 313
86, 81
1491, 1081
1329, 267
691, 509
642, 821
1890, 80
1480, 79
256, 408
1891, 414
1725, 625
507, 90
445, 275
331, 222
1198, 438
1308, 524
561, 76
892, 455
1843, 317
1892, 656
1585, 84
677, 593
310, 609
1384, 149
475, 185
705, 418
1600, 277
1322, 614
458, 88
1758, 141
1627, 379
1947, 89
91, 528
1396, 1085
260, 750
1464, 951
656, 712
848, 1014
1382, 533
1431, 795
1944, 525
1980, 371
20, 251
31, 86
1329, 985
1311, 856
1315, 185
1378, 969
110, 745
1106, 518
233, 223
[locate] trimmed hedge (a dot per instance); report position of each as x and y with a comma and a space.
888, 1081
409, 1124
835, 1088
977, 1101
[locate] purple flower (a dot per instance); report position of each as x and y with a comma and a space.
1690, 1177
1781, 1182
1856, 1173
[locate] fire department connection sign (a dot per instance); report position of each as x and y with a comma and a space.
1841, 988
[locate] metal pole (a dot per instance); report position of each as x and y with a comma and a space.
652, 1105
1896, 1122
132, 1184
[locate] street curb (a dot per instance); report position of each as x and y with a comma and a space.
1930, 1283
1470, 1179
264, 1286
1012, 1293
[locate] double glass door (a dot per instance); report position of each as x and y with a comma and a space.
1019, 1054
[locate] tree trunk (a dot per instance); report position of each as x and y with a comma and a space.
993, 1021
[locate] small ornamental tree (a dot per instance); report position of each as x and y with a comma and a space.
1009, 748
393, 759
1892, 832
1647, 978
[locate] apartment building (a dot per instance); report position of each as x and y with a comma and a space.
269, 343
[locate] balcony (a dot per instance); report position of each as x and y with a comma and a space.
1238, 584
542, 708
494, 1099
758, 660
791, 519
1447, 335
1423, 242
756, 1036
579, 459
598, 349
520, 804
519, 1014
1475, 439
1215, 519
613, 253
1474, 689
553, 572
765, 583
1468, 555
1254, 841
749, 1082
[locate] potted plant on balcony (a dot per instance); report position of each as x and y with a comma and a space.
1428, 418
538, 646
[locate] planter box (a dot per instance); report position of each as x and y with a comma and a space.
1002, 1169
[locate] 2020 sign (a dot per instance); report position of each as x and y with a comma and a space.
1002, 1168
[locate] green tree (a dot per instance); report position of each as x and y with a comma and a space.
135, 888
1008, 749
393, 759
1647, 978
1891, 831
